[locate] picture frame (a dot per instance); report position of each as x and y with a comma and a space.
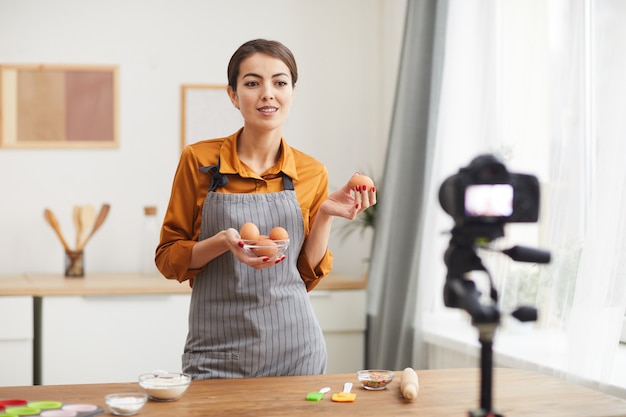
59, 106
207, 113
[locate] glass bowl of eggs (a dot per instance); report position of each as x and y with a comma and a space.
266, 247
272, 245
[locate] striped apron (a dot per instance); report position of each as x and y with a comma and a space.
245, 322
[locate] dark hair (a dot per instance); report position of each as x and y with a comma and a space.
272, 48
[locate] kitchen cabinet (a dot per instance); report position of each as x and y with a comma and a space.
88, 339
111, 338
342, 317
16, 340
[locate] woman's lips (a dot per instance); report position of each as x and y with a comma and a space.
268, 110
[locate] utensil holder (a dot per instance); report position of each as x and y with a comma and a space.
74, 264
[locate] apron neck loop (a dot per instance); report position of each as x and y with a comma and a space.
220, 180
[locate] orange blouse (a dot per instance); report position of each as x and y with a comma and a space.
181, 225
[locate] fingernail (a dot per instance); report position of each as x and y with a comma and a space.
358, 188
365, 188
266, 259
356, 207
278, 260
373, 189
240, 244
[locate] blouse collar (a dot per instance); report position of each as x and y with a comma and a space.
230, 163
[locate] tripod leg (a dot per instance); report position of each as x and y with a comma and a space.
486, 373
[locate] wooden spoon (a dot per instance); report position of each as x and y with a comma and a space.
52, 221
102, 215
87, 219
77, 225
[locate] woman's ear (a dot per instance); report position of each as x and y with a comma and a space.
232, 94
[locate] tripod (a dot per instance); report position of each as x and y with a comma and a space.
461, 292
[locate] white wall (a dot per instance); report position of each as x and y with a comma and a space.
347, 52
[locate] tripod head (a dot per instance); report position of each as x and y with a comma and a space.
461, 258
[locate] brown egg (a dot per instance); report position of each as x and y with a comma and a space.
360, 180
269, 248
249, 231
278, 233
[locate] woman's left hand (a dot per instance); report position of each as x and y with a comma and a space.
349, 203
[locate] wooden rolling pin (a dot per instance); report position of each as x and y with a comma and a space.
409, 385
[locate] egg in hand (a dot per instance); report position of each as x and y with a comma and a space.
358, 180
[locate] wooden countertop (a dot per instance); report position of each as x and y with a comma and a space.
44, 285
445, 392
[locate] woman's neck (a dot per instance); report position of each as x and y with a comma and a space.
259, 150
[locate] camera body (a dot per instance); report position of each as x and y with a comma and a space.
485, 192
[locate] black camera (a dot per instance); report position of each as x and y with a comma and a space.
485, 192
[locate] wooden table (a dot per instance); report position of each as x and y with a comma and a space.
450, 392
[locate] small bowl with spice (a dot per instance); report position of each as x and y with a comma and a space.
375, 379
126, 403
165, 386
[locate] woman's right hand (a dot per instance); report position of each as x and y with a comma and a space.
206, 250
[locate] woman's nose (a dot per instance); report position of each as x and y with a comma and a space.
268, 92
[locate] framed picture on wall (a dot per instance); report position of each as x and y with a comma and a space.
58, 106
206, 113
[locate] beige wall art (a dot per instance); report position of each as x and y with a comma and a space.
57, 106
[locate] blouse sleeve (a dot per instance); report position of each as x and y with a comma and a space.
181, 228
312, 274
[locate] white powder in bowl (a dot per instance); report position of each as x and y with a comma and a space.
125, 404
165, 387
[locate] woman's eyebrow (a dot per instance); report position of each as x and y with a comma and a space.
252, 74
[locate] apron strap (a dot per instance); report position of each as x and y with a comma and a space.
217, 179
287, 183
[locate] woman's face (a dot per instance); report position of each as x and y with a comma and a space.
264, 92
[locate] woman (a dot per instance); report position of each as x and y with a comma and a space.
251, 316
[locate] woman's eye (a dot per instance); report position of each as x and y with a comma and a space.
282, 83
251, 84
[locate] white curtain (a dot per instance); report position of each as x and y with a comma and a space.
540, 84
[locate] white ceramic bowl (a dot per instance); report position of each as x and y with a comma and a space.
126, 403
272, 249
375, 379
168, 386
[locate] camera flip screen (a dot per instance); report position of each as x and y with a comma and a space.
488, 200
